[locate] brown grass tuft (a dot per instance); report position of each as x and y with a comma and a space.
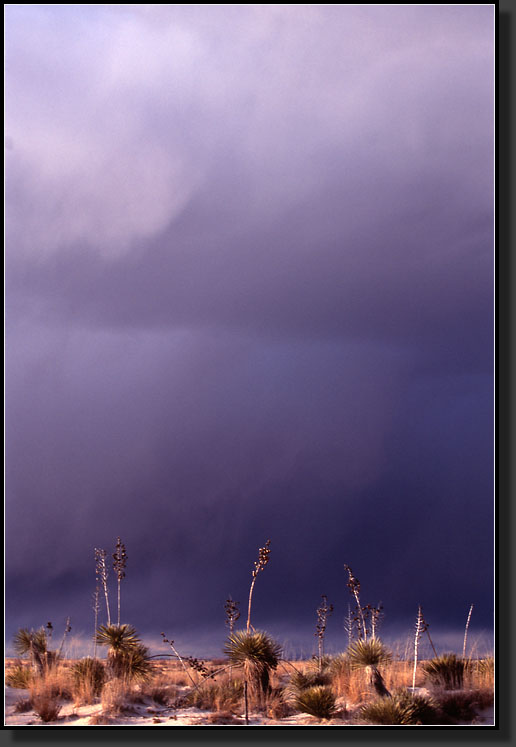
224, 718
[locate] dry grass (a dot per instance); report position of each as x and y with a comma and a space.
18, 675
463, 705
44, 698
223, 695
160, 690
100, 719
224, 718
116, 694
23, 705
277, 707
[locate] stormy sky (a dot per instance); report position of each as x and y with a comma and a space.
249, 295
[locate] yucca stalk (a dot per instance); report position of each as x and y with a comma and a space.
119, 563
349, 625
67, 629
232, 615
102, 576
259, 565
177, 655
466, 632
323, 612
96, 608
354, 587
417, 638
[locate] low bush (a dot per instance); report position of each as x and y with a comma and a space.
219, 696
402, 708
318, 701
19, 676
23, 705
46, 705
88, 677
446, 671
462, 706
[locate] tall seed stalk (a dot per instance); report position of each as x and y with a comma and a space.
102, 575
96, 609
259, 565
119, 563
232, 615
348, 625
323, 612
466, 632
354, 587
67, 629
420, 626
171, 644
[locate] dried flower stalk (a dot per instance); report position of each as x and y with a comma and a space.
119, 563
259, 565
102, 575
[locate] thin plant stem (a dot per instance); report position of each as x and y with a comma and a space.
259, 565
67, 629
466, 632
420, 624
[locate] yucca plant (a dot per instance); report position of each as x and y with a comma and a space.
400, 709
300, 681
258, 654
34, 643
123, 646
446, 671
318, 701
324, 610
368, 655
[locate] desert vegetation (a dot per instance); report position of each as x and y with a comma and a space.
254, 684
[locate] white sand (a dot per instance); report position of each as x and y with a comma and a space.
151, 714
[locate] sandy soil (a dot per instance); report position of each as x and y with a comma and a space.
150, 714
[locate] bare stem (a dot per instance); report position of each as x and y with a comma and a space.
466, 632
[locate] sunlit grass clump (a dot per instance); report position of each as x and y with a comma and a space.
446, 671
402, 708
318, 701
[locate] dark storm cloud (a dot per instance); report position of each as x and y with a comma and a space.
249, 286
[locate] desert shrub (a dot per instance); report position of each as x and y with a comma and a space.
318, 701
126, 656
45, 702
277, 706
100, 719
19, 676
218, 696
482, 673
462, 706
258, 654
401, 708
300, 681
162, 694
225, 718
88, 677
368, 653
23, 705
115, 697
446, 671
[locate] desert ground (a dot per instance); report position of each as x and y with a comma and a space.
171, 695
